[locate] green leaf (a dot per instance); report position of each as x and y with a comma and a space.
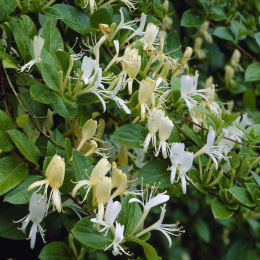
257, 177
191, 18
12, 173
56, 251
176, 89
86, 233
25, 146
102, 15
5, 144
6, 7
149, 251
71, 16
50, 76
53, 149
8, 229
6, 122
242, 196
22, 120
234, 160
219, 210
132, 135
82, 167
223, 33
252, 72
202, 230
155, 171
23, 29
218, 13
173, 44
52, 38
249, 99
20, 194
192, 135
129, 215
43, 95
9, 62
257, 38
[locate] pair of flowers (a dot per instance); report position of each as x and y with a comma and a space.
147, 201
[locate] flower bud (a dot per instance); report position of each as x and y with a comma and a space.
146, 89
103, 190
150, 35
55, 172
38, 43
165, 128
229, 73
89, 129
187, 55
235, 59
100, 170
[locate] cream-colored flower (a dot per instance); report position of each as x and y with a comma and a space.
55, 176
150, 35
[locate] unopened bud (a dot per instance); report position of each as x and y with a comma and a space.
55, 172
187, 55
229, 73
89, 129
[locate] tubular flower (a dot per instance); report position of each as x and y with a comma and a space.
119, 181
99, 171
165, 129
214, 152
147, 87
131, 65
55, 176
181, 161
102, 195
37, 210
197, 48
153, 127
112, 211
150, 35
38, 43
88, 131
189, 90
119, 237
166, 229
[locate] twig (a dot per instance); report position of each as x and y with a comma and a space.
31, 116
111, 55
78, 203
227, 138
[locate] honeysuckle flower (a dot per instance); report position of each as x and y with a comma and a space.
38, 43
122, 25
99, 171
131, 65
181, 162
139, 31
234, 133
213, 151
130, 4
189, 90
166, 229
37, 210
165, 129
54, 177
229, 74
235, 60
204, 31
96, 49
119, 237
150, 35
186, 57
103, 192
92, 5
197, 48
153, 126
119, 181
146, 89
148, 201
88, 131
93, 79
112, 211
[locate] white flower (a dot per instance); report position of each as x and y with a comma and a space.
189, 90
119, 237
130, 4
150, 35
92, 77
148, 201
165, 129
37, 210
215, 152
181, 161
38, 43
153, 126
122, 25
54, 177
112, 211
166, 229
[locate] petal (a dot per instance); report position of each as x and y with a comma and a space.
78, 186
